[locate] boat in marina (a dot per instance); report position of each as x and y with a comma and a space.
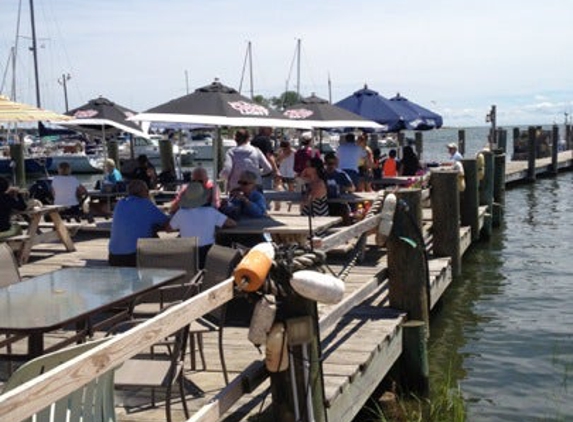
149, 146
202, 144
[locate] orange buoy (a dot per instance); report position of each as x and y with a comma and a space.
253, 269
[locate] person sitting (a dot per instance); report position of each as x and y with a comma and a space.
199, 174
390, 165
69, 192
337, 182
145, 171
409, 165
197, 218
10, 201
134, 217
111, 174
455, 155
315, 198
245, 200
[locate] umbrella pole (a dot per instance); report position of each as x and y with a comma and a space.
217, 153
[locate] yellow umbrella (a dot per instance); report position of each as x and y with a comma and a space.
11, 111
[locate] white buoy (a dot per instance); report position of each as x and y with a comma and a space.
320, 287
276, 350
262, 320
387, 218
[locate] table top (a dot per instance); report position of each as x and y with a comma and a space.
52, 300
44, 209
280, 224
343, 198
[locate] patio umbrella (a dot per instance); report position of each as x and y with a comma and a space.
217, 105
416, 116
319, 113
373, 106
102, 115
11, 111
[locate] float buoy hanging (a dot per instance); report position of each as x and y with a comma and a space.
262, 320
253, 269
461, 176
276, 350
316, 286
387, 218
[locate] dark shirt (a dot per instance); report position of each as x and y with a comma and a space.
336, 182
263, 143
302, 156
9, 204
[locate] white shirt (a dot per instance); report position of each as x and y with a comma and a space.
349, 155
198, 222
65, 188
286, 166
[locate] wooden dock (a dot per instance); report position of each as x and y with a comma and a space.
361, 337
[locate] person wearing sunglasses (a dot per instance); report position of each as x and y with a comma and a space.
245, 200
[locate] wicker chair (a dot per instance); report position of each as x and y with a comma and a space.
219, 265
171, 253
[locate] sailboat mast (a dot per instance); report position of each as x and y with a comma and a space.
35, 53
298, 68
251, 70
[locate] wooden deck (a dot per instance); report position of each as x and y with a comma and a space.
361, 336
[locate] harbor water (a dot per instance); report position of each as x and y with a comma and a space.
504, 331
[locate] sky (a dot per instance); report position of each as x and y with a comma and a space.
455, 57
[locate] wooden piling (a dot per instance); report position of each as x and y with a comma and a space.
113, 152
446, 216
486, 193
414, 360
568, 137
462, 141
306, 359
166, 152
19, 170
419, 141
498, 204
502, 139
554, 149
469, 198
407, 266
531, 153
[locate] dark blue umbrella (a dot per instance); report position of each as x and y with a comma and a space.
373, 106
415, 116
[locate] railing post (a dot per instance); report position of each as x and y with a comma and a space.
407, 266
469, 198
498, 188
531, 153
486, 193
446, 216
290, 388
555, 149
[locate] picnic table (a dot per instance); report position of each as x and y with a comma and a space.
38, 233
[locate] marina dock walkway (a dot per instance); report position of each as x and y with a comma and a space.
361, 337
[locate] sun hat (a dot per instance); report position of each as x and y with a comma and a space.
451, 145
195, 196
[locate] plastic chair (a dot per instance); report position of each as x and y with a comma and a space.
9, 274
171, 253
151, 370
219, 265
94, 402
